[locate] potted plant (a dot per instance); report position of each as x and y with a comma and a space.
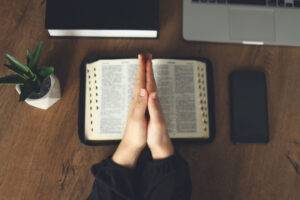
37, 86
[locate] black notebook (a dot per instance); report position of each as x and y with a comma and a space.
184, 90
103, 18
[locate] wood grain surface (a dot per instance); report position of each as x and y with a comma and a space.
40, 153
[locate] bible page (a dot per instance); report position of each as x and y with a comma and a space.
108, 93
178, 90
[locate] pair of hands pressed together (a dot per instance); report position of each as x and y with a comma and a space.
143, 129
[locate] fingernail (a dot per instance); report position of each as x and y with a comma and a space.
149, 56
153, 95
143, 92
139, 56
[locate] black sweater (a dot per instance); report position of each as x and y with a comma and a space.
166, 179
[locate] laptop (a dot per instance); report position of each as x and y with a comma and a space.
271, 22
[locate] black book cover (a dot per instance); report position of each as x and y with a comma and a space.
102, 14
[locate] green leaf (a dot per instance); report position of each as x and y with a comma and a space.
20, 73
46, 72
29, 57
19, 67
36, 56
16, 64
12, 79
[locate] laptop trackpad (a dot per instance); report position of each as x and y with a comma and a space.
252, 25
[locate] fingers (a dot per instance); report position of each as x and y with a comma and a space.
150, 81
145, 84
154, 108
140, 81
141, 104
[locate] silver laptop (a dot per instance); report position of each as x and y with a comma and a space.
272, 22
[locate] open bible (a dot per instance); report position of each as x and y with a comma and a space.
183, 88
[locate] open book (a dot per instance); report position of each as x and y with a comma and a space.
183, 91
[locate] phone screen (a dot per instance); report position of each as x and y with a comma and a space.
249, 115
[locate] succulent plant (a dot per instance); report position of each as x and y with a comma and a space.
29, 76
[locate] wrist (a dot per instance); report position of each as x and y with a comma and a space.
162, 151
126, 155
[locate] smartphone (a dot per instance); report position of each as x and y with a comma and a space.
249, 110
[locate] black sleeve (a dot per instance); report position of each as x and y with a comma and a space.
112, 182
167, 179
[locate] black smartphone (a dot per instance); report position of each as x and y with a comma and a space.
249, 110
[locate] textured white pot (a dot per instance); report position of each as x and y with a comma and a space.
50, 98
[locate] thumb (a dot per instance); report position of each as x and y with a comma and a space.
154, 107
141, 104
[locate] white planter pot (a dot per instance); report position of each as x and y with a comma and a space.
50, 98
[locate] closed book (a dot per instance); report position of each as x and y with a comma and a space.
103, 18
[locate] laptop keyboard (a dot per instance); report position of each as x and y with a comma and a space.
268, 3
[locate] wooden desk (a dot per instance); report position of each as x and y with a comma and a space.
40, 153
